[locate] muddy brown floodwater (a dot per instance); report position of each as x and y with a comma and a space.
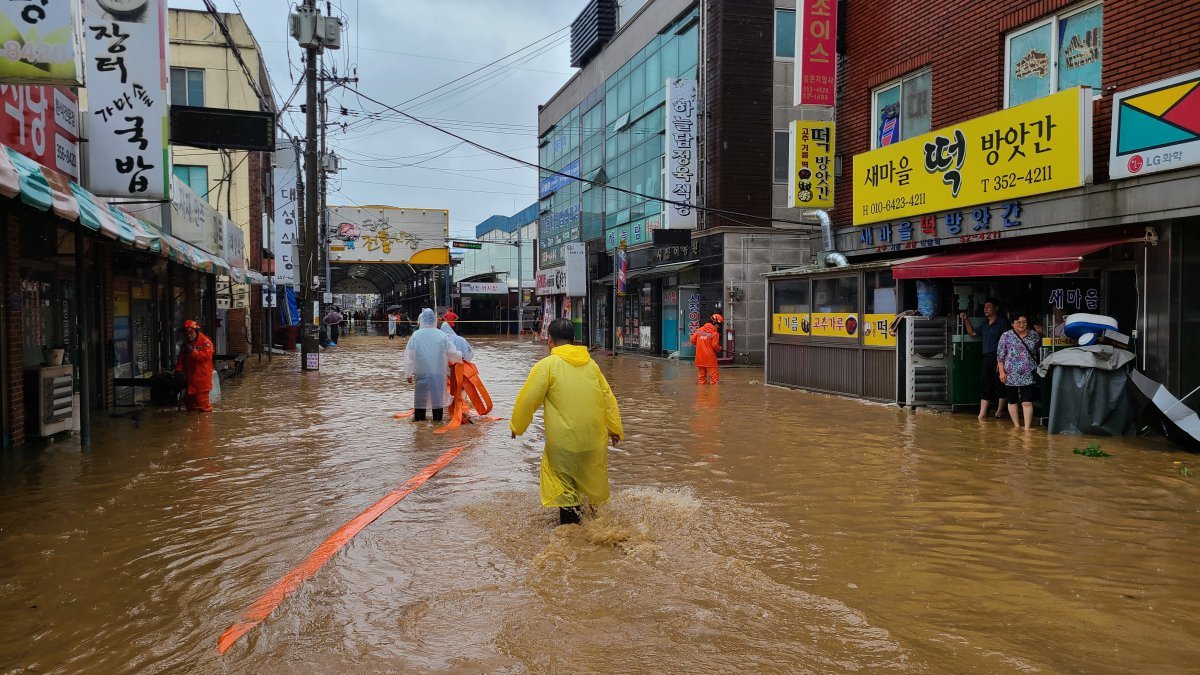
751, 529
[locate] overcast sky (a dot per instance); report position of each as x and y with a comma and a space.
404, 48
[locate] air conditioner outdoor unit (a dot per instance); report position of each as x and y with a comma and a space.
923, 360
52, 399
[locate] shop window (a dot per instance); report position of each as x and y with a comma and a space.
836, 295
785, 34
187, 86
781, 156
880, 292
193, 176
902, 109
791, 297
1056, 53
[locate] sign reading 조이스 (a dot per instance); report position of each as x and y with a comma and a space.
1041, 146
816, 53
811, 165
1156, 127
40, 42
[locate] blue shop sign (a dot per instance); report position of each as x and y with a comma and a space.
554, 182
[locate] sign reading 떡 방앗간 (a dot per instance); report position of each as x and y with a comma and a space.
127, 100
681, 154
40, 42
1041, 146
1156, 127
816, 53
811, 182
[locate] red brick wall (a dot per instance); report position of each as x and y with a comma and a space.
963, 42
235, 332
12, 341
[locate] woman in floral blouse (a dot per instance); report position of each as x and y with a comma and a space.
1015, 357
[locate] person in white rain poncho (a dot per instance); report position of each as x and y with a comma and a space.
460, 343
426, 359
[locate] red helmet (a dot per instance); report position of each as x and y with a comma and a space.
718, 318
191, 325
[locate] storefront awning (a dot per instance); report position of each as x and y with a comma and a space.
1038, 260
48, 190
662, 270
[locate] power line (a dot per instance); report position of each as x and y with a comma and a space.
723, 212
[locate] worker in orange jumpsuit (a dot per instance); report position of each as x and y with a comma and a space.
196, 363
708, 342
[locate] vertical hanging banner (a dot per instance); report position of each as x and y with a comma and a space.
127, 98
286, 213
681, 154
816, 53
40, 42
622, 270
811, 161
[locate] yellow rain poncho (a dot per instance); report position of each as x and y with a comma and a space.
581, 412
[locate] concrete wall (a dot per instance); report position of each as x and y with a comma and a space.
748, 255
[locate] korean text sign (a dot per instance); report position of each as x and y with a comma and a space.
40, 42
41, 123
1156, 127
127, 100
286, 220
816, 53
1041, 146
681, 154
811, 182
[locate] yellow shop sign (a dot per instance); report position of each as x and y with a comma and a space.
1041, 146
811, 163
790, 324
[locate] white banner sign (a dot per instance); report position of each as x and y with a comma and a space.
483, 288
40, 43
570, 279
191, 216
233, 249
388, 234
127, 99
681, 154
286, 214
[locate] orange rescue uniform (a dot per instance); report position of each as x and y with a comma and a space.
707, 342
196, 363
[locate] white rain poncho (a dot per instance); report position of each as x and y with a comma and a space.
426, 359
460, 343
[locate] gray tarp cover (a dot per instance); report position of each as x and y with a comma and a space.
1088, 391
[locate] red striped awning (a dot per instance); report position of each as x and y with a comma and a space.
1037, 260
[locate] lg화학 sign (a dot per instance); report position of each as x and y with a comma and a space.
1156, 127
1041, 146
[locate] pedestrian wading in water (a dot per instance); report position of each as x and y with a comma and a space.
426, 364
581, 418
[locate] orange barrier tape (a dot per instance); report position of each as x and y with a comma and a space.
267, 603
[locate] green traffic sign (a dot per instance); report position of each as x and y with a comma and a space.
467, 244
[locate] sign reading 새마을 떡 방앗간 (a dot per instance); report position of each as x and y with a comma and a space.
1041, 146
127, 98
811, 163
1156, 127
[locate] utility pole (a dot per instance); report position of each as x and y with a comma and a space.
520, 289
308, 312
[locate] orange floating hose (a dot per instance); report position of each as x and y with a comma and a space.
264, 605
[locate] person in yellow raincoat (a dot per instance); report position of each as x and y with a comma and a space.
581, 419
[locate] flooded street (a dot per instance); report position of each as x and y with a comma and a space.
751, 529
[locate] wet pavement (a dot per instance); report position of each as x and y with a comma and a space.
751, 529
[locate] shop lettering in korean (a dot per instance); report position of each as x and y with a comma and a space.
42, 123
681, 154
982, 223
811, 182
286, 216
557, 181
639, 231
483, 288
127, 101
670, 254
41, 44
554, 231
816, 53
234, 250
1156, 127
1041, 146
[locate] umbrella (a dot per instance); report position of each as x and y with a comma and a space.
391, 308
1178, 422
333, 318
